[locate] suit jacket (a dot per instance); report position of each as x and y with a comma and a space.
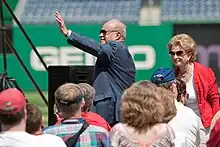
114, 72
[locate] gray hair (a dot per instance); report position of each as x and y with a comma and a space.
123, 31
120, 26
88, 94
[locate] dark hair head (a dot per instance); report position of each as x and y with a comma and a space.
181, 88
12, 119
34, 119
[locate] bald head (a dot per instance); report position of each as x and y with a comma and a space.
114, 26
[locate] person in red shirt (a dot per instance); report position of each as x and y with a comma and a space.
200, 80
91, 117
214, 138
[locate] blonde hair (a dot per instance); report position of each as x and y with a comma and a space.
68, 99
186, 42
168, 99
141, 107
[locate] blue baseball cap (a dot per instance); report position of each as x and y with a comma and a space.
162, 75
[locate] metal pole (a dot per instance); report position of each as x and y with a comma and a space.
25, 68
2, 29
25, 34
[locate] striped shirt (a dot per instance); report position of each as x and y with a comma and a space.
93, 136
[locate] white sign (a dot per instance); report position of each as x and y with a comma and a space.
148, 52
73, 56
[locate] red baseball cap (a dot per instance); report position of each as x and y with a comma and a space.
11, 101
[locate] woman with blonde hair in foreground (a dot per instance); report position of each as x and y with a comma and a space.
142, 113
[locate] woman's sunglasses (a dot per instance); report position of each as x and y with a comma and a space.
178, 53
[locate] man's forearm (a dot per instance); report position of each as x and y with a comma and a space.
84, 43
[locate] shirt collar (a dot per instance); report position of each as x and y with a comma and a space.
73, 120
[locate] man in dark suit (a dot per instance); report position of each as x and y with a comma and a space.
114, 68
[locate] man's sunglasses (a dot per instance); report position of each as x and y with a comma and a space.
105, 31
178, 53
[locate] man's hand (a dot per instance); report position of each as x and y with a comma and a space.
61, 23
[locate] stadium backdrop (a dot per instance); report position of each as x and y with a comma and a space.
147, 45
